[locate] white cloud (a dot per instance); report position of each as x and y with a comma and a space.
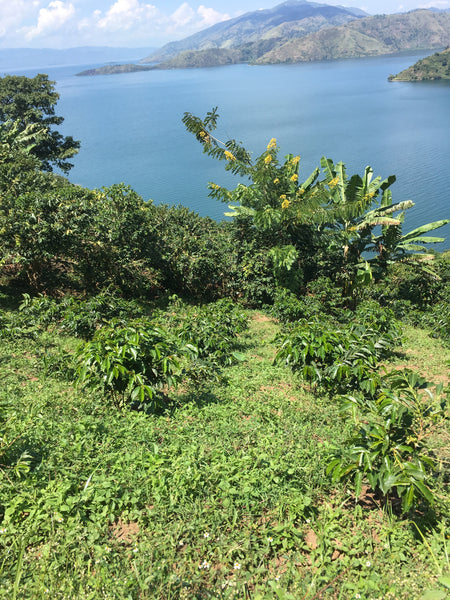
66, 23
210, 16
146, 22
182, 16
13, 14
51, 19
125, 14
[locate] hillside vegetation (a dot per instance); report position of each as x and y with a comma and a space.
250, 409
296, 32
290, 19
431, 68
371, 36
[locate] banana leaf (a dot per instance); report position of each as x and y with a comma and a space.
424, 229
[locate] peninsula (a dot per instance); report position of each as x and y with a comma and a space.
431, 68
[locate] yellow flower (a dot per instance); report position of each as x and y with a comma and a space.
202, 134
214, 186
333, 182
301, 191
283, 197
295, 160
229, 155
285, 204
294, 177
268, 159
276, 180
272, 144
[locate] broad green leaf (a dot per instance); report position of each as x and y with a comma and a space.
426, 493
433, 595
445, 581
425, 228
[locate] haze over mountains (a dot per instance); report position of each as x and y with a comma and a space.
297, 31
30, 58
261, 30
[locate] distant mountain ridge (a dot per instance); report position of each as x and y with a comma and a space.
29, 58
290, 19
298, 31
371, 36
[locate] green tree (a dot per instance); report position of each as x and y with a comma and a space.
28, 101
344, 211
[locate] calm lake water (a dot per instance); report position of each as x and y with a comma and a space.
131, 130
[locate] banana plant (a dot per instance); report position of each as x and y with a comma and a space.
349, 211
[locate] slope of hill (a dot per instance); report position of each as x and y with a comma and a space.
283, 35
276, 25
436, 66
371, 36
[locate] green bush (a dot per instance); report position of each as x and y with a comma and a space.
194, 254
78, 317
389, 448
132, 365
213, 329
340, 359
288, 308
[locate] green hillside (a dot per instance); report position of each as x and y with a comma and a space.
371, 36
291, 19
431, 68
296, 32
197, 410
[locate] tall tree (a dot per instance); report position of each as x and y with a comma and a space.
26, 101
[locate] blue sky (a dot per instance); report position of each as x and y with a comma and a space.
134, 23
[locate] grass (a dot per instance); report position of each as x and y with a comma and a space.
224, 495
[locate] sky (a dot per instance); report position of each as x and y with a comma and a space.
140, 23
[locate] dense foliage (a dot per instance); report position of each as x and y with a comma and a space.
31, 101
144, 410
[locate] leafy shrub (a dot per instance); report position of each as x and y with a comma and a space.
254, 282
213, 329
321, 297
339, 359
327, 293
405, 282
288, 308
390, 449
42, 310
193, 254
133, 364
379, 318
79, 317
12, 326
83, 317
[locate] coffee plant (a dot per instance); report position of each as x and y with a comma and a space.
339, 360
390, 447
134, 364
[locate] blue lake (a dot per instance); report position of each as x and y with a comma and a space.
131, 130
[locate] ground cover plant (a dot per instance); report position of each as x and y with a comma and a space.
253, 409
222, 495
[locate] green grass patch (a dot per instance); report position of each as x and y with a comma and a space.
221, 495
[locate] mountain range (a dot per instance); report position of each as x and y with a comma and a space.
263, 29
297, 31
